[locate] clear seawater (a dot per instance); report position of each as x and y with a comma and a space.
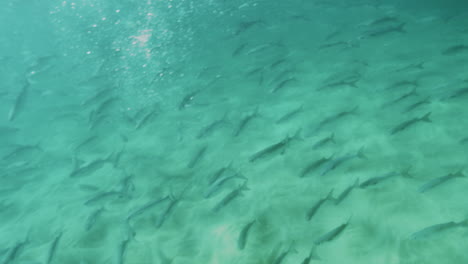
228, 131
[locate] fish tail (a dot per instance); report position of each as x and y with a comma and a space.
330, 195
406, 172
401, 28
426, 118
313, 253
360, 154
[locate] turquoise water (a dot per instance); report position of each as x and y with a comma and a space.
260, 132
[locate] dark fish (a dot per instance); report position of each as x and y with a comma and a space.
463, 140
283, 84
346, 192
243, 26
106, 106
230, 197
284, 254
453, 50
417, 104
254, 71
314, 165
335, 163
208, 130
379, 179
277, 63
245, 121
104, 196
91, 167
220, 172
19, 103
275, 148
402, 97
99, 96
146, 119
239, 49
334, 44
387, 30
440, 180
348, 81
53, 248
331, 235
314, 209
198, 156
384, 20
459, 93
26, 152
215, 188
290, 115
414, 66
85, 142
15, 252
402, 84
312, 256
93, 218
405, 125
122, 250
434, 229
146, 207
187, 100
168, 211
324, 141
244, 234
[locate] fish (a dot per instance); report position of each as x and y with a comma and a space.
463, 140
417, 104
85, 142
324, 141
122, 250
413, 66
335, 118
239, 50
312, 256
334, 44
459, 93
146, 207
15, 252
314, 165
53, 248
314, 209
384, 20
103, 196
409, 123
349, 81
99, 96
456, 49
220, 172
215, 188
429, 231
275, 148
283, 84
440, 180
244, 26
277, 63
20, 101
402, 84
187, 100
208, 130
346, 192
167, 212
230, 197
290, 115
25, 152
93, 217
146, 119
92, 167
402, 97
379, 179
284, 254
245, 121
335, 163
387, 30
198, 156
332, 234
244, 235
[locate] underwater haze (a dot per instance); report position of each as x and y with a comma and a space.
233, 132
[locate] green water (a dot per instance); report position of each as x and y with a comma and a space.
256, 132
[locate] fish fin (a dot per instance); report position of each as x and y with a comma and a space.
426, 118
356, 183
313, 253
330, 195
406, 172
360, 154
